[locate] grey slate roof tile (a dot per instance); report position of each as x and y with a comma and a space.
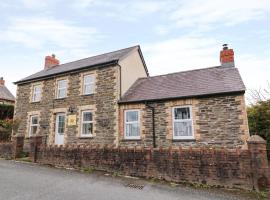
206, 81
6, 94
79, 64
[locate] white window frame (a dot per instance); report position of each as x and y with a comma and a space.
133, 122
63, 88
183, 120
88, 84
34, 93
32, 125
86, 122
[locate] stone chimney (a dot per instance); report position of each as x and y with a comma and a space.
226, 56
2, 81
51, 61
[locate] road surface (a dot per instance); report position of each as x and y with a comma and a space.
26, 181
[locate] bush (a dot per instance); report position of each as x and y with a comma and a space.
259, 120
6, 127
6, 111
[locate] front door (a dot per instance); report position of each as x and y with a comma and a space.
60, 128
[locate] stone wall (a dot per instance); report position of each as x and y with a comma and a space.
240, 168
12, 149
217, 121
103, 103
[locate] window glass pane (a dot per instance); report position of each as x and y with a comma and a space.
182, 113
61, 93
61, 124
62, 84
132, 116
37, 93
89, 89
87, 128
88, 79
183, 128
132, 130
33, 130
34, 120
87, 116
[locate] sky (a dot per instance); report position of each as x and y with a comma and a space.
174, 35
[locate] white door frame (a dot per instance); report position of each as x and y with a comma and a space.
59, 138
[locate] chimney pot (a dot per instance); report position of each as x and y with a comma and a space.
2, 81
226, 56
51, 61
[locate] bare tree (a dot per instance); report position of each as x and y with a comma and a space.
258, 95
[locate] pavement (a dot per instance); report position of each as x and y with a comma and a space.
27, 181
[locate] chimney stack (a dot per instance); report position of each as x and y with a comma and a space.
226, 56
2, 81
51, 61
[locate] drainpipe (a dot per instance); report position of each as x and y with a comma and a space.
153, 123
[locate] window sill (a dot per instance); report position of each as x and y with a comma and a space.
35, 102
60, 98
86, 137
184, 140
87, 94
130, 139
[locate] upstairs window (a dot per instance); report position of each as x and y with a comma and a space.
33, 125
182, 123
36, 97
61, 89
87, 124
88, 84
132, 124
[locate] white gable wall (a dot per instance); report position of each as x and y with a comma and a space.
132, 68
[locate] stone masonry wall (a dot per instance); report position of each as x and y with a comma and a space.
219, 121
103, 103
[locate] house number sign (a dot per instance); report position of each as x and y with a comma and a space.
71, 120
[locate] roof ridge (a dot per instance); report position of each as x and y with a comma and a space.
199, 69
93, 56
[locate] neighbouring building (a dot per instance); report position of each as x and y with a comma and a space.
111, 99
6, 97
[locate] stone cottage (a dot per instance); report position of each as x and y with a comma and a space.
111, 99
6, 97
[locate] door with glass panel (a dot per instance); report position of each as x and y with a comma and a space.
60, 128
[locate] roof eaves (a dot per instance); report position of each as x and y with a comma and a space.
61, 73
181, 97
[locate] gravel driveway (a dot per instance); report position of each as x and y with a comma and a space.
23, 181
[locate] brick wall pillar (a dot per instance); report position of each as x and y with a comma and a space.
18, 142
259, 162
35, 143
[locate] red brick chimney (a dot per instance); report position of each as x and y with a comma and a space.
51, 61
226, 56
2, 81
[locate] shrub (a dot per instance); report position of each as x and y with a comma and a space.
6, 111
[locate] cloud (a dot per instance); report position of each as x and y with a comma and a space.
190, 52
38, 32
207, 12
181, 53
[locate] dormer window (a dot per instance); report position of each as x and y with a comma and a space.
61, 89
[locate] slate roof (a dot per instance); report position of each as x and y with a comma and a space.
6, 94
193, 83
99, 60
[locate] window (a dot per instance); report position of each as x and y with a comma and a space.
88, 84
182, 123
61, 89
87, 124
36, 93
132, 125
33, 125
